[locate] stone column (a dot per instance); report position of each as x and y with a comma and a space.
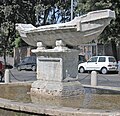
94, 78
7, 76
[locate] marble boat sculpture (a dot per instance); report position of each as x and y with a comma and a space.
80, 30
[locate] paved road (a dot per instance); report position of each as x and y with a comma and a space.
22, 76
84, 78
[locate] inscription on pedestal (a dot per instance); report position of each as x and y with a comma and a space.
50, 69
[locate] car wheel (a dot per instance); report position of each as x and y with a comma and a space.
18, 68
33, 68
104, 70
81, 70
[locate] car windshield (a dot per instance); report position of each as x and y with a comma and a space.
25, 59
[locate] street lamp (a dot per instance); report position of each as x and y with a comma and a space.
71, 9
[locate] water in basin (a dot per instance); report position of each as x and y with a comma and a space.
89, 100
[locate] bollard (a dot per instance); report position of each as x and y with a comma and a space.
7, 76
119, 67
94, 78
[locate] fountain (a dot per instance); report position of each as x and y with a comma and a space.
57, 67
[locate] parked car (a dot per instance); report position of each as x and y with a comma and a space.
8, 66
2, 70
102, 64
28, 63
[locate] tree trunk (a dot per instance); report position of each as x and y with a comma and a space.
114, 49
4, 56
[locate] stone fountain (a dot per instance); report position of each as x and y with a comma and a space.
57, 72
57, 67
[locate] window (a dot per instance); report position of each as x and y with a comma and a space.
25, 59
102, 59
112, 59
94, 59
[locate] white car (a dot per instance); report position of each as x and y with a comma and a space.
99, 63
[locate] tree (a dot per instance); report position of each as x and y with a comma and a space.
25, 12
10, 14
7, 27
52, 11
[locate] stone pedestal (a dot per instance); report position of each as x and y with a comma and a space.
56, 71
55, 88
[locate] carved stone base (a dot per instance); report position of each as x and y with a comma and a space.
61, 89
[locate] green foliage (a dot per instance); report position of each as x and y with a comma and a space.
52, 11
17, 42
12, 12
85, 6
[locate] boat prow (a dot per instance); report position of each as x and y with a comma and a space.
80, 30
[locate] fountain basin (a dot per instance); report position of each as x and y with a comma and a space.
92, 102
